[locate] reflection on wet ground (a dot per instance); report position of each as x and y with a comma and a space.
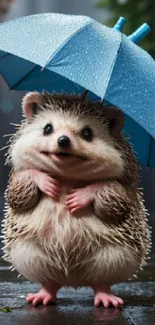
76, 306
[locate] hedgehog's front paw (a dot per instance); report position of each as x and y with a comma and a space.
79, 199
46, 183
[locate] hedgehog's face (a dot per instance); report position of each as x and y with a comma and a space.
70, 145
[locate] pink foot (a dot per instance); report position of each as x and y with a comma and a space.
45, 183
43, 296
81, 197
105, 297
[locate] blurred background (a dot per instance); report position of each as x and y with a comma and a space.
105, 11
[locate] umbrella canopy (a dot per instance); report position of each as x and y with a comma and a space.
62, 52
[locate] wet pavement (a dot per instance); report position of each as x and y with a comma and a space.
76, 307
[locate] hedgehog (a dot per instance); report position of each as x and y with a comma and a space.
74, 215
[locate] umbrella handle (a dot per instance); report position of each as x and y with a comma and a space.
120, 24
140, 33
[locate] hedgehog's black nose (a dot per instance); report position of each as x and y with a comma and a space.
63, 141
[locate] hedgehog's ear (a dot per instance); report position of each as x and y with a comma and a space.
115, 118
30, 102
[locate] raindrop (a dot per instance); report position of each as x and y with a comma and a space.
6, 106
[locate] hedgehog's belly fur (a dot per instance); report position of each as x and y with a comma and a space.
49, 244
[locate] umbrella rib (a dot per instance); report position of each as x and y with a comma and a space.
51, 57
18, 82
84, 94
6, 54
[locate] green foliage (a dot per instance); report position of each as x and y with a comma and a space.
6, 309
136, 12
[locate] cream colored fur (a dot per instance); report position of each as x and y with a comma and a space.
70, 250
103, 160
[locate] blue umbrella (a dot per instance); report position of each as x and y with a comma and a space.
73, 53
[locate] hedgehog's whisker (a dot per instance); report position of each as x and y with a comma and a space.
4, 147
14, 124
8, 135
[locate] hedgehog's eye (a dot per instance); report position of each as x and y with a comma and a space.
87, 134
48, 129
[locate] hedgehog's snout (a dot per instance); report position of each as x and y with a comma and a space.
63, 141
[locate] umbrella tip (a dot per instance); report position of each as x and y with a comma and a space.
120, 24
140, 33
